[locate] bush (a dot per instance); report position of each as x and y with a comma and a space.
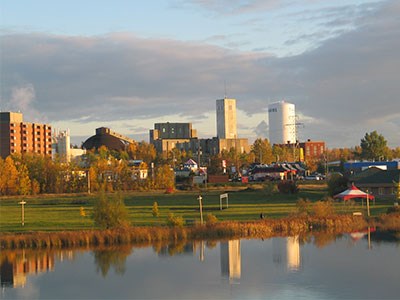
303, 206
174, 221
110, 212
323, 209
211, 219
155, 211
393, 210
288, 187
337, 184
270, 188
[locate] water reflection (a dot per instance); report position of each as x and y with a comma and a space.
15, 266
114, 257
230, 260
287, 251
212, 269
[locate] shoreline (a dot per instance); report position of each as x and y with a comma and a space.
265, 228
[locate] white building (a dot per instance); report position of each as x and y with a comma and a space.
226, 119
61, 147
282, 123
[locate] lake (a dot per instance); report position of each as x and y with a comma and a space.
350, 266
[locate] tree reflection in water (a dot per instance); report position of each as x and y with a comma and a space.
114, 257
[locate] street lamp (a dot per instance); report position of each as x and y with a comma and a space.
22, 212
201, 209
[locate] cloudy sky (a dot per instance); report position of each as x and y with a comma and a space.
129, 64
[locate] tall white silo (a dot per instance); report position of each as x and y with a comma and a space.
282, 123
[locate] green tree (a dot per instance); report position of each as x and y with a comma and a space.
374, 146
110, 212
337, 184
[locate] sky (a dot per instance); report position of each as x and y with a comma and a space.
129, 64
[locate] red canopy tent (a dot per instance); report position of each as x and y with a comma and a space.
353, 192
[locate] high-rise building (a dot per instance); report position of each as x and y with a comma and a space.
17, 136
226, 119
282, 123
166, 136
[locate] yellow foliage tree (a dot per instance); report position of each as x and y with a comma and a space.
165, 177
9, 177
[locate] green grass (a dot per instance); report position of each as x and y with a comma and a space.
62, 212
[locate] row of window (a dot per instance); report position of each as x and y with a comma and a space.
24, 138
36, 151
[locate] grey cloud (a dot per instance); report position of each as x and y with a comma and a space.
261, 130
232, 7
349, 84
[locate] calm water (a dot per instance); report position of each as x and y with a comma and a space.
319, 267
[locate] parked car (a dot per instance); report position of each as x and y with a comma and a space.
314, 177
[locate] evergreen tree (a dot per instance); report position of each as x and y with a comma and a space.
374, 146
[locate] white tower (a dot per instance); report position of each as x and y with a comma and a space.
226, 119
282, 123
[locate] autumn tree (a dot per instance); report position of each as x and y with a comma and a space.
165, 177
9, 177
24, 182
262, 151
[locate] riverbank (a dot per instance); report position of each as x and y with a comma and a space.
220, 230
74, 212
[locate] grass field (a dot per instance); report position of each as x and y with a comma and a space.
63, 212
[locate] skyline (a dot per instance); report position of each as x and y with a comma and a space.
127, 66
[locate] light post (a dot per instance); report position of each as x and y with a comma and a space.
368, 213
201, 209
22, 212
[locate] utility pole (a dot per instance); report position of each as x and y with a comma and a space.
22, 212
201, 209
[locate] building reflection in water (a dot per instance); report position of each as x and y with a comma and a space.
231, 260
291, 257
15, 266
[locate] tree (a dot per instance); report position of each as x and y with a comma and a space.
110, 212
374, 146
262, 151
9, 177
165, 177
155, 211
24, 182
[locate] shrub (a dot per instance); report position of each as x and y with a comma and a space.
337, 184
393, 210
174, 221
303, 206
270, 188
155, 211
211, 219
288, 187
323, 209
110, 212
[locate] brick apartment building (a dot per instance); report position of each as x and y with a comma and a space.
313, 149
17, 136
